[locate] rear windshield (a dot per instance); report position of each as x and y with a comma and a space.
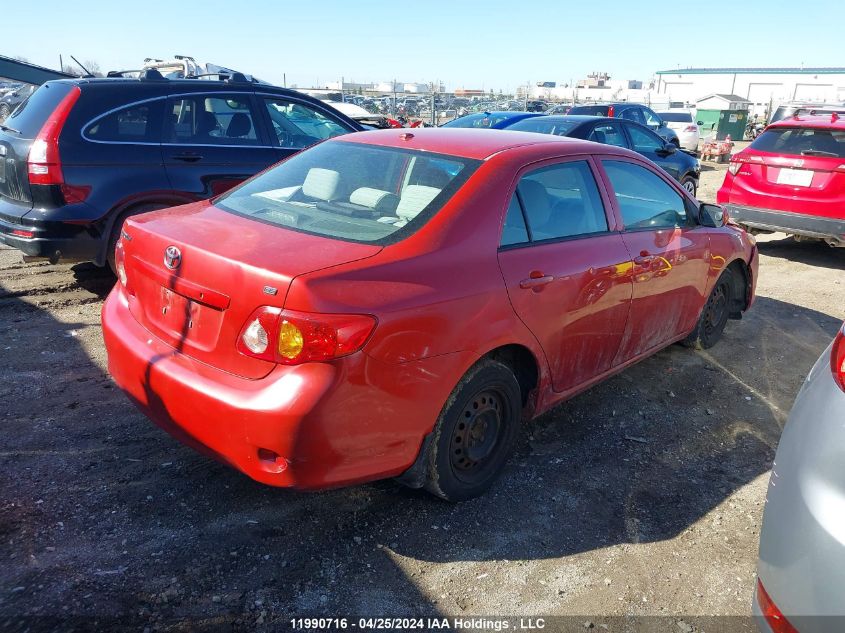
676, 117
802, 142
29, 117
479, 120
590, 110
361, 193
544, 125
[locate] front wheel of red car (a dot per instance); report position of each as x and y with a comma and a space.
714, 316
475, 433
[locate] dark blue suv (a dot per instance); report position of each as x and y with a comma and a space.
81, 155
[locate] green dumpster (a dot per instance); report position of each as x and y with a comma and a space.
723, 123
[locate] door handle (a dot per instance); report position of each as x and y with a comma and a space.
644, 259
536, 282
188, 157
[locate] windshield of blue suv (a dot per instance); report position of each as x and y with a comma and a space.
351, 191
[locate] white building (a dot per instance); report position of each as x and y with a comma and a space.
761, 86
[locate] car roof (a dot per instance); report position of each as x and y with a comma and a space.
826, 121
477, 144
577, 117
188, 85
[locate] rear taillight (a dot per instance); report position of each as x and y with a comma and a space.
290, 338
773, 616
691, 128
120, 263
734, 166
837, 358
44, 164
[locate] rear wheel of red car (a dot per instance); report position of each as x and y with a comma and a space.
475, 433
714, 316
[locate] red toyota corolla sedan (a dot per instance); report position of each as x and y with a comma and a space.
393, 304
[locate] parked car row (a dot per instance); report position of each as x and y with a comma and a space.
13, 97
621, 132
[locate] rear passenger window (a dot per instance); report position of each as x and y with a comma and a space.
608, 134
644, 140
137, 123
562, 201
514, 231
211, 120
645, 200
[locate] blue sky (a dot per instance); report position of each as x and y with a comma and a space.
493, 44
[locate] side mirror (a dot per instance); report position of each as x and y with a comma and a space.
699, 122
667, 149
712, 215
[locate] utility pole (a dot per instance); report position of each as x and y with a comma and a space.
284, 80
394, 97
527, 88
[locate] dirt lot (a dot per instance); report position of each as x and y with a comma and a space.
642, 496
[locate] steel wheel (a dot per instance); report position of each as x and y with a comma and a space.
716, 311
477, 434
689, 185
714, 315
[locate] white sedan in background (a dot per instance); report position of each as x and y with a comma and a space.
684, 125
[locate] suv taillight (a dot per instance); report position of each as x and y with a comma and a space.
837, 358
43, 163
287, 337
734, 166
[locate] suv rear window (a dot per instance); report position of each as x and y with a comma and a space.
590, 110
29, 117
352, 191
802, 141
676, 117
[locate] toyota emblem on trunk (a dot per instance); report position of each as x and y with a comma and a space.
172, 257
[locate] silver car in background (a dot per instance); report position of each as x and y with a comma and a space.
801, 572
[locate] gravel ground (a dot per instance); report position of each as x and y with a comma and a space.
641, 497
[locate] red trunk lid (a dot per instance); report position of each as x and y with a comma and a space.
229, 266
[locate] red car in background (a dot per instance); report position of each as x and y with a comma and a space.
393, 304
791, 179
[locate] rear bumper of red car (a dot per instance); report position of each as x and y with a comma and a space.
309, 426
786, 222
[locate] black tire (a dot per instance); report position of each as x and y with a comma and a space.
475, 433
4, 112
118, 225
675, 141
714, 316
688, 183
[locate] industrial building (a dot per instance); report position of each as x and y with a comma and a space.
763, 87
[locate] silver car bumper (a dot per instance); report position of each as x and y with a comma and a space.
802, 541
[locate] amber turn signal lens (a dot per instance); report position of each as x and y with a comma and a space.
290, 340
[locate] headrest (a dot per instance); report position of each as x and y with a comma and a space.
239, 126
376, 199
322, 184
414, 199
